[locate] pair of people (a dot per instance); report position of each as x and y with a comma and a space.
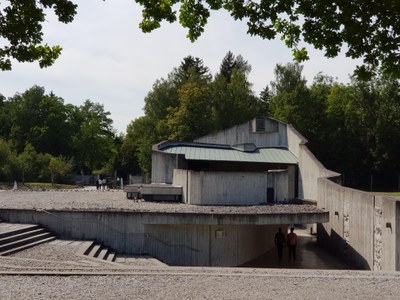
290, 240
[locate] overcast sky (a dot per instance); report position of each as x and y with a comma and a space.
107, 59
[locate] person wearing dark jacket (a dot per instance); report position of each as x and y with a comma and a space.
280, 242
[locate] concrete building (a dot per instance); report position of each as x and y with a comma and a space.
247, 165
267, 161
218, 189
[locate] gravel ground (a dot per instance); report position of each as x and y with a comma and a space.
59, 279
116, 200
194, 284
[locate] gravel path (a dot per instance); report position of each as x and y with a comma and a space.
194, 284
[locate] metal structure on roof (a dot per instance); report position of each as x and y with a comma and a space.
227, 153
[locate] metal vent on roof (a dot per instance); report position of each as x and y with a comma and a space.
260, 125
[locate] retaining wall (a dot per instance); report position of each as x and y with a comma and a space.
177, 239
362, 226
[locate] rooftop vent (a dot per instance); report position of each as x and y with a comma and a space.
264, 125
260, 125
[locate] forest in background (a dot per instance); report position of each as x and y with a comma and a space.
351, 128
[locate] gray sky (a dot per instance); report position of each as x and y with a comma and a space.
107, 59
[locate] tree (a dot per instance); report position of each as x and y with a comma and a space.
291, 98
59, 166
5, 122
21, 29
191, 119
227, 66
93, 136
369, 29
39, 119
346, 152
162, 96
27, 160
190, 66
233, 101
265, 97
141, 134
8, 165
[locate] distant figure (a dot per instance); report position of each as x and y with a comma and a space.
279, 242
292, 243
104, 184
97, 184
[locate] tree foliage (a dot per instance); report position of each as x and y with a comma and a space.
42, 137
369, 30
39, 119
191, 118
93, 137
352, 128
191, 103
59, 166
21, 30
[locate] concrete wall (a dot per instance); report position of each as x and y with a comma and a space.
362, 227
245, 133
162, 167
225, 188
209, 245
188, 242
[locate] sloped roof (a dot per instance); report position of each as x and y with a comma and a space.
212, 152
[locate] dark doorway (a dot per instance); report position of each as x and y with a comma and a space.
270, 195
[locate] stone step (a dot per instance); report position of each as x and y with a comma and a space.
26, 246
94, 252
20, 236
85, 247
103, 253
111, 256
13, 229
25, 241
98, 251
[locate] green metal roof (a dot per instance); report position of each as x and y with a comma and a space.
261, 155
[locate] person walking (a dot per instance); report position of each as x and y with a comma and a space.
292, 243
279, 242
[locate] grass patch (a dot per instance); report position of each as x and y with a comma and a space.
393, 194
37, 186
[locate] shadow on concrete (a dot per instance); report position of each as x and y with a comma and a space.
309, 256
334, 243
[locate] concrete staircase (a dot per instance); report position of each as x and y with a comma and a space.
18, 237
97, 251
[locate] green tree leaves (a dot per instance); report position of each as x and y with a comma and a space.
21, 29
40, 129
353, 128
190, 103
368, 30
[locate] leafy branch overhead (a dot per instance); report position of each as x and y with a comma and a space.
21, 30
368, 30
